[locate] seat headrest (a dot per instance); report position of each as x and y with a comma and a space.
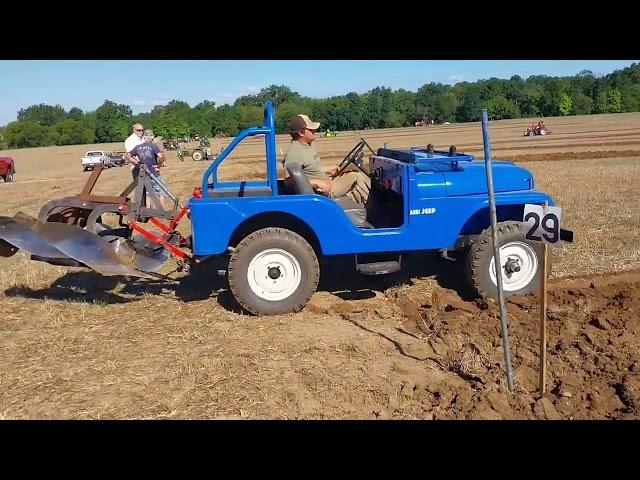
300, 180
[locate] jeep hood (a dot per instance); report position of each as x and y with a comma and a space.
470, 178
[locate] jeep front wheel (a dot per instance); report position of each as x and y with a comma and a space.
520, 262
9, 176
273, 271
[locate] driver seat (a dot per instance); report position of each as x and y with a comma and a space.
301, 185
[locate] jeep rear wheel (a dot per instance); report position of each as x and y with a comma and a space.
520, 262
273, 271
9, 176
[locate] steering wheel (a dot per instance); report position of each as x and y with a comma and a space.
354, 156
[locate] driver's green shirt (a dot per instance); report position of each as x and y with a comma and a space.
307, 157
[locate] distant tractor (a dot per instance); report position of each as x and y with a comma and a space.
202, 152
536, 129
424, 123
170, 144
197, 154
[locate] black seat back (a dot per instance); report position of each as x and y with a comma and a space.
300, 181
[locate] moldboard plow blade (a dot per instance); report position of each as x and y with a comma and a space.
60, 243
87, 248
17, 232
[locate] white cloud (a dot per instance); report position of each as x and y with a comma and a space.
229, 98
145, 104
151, 101
250, 90
456, 78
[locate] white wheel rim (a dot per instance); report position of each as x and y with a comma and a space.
274, 274
520, 254
543, 132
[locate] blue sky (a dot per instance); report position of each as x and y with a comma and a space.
145, 83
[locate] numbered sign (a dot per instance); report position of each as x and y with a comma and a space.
542, 224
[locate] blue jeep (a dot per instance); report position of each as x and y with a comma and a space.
420, 200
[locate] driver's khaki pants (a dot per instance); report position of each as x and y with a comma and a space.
354, 184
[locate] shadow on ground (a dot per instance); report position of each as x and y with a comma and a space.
77, 287
338, 277
341, 278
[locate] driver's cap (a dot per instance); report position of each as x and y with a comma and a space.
299, 122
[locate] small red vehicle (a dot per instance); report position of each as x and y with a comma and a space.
7, 169
539, 129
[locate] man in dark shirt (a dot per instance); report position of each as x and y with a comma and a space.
149, 154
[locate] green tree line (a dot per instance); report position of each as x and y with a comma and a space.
381, 107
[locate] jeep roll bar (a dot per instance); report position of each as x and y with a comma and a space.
268, 129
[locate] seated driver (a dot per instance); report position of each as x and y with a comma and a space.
354, 184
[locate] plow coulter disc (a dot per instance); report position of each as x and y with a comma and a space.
144, 254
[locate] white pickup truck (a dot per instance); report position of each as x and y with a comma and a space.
93, 158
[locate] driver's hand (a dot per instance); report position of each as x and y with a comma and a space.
325, 187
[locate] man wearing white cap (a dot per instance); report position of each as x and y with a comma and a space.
132, 141
355, 184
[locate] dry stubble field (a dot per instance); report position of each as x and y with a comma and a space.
75, 344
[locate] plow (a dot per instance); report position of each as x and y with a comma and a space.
131, 234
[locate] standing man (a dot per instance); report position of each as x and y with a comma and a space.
355, 184
179, 152
131, 142
148, 153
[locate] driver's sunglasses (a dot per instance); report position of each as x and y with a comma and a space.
139, 129
310, 129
